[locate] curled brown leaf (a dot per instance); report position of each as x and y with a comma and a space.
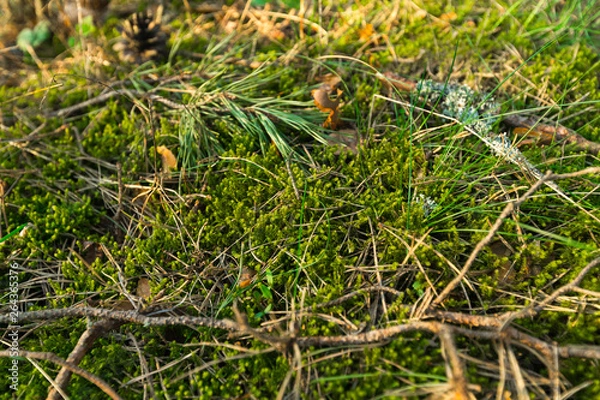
169, 160
325, 103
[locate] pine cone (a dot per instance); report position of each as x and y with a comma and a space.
142, 39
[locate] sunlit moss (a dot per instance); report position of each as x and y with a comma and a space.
312, 230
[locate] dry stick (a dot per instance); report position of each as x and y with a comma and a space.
585, 171
96, 100
458, 378
547, 134
125, 316
380, 336
532, 310
102, 385
493, 321
554, 374
510, 207
501, 351
520, 386
84, 344
375, 336
107, 96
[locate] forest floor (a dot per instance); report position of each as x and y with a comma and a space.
301, 200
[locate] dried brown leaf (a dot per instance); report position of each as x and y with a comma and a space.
366, 33
246, 278
326, 104
169, 160
143, 289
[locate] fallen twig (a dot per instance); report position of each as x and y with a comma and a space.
102, 385
508, 209
457, 374
531, 127
84, 344
125, 316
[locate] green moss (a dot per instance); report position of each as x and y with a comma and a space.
312, 229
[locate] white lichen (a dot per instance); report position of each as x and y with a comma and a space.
478, 113
426, 202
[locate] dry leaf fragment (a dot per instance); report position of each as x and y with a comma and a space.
326, 104
348, 138
143, 289
246, 278
366, 32
392, 80
169, 160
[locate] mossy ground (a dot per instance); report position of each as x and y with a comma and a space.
103, 213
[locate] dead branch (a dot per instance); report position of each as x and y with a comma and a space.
84, 344
124, 316
99, 382
585, 171
508, 209
530, 127
377, 336
495, 322
532, 310
457, 374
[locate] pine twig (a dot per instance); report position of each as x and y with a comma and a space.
457, 374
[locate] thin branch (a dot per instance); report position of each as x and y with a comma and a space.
102, 385
508, 209
377, 336
458, 376
532, 310
531, 127
494, 322
125, 316
83, 346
